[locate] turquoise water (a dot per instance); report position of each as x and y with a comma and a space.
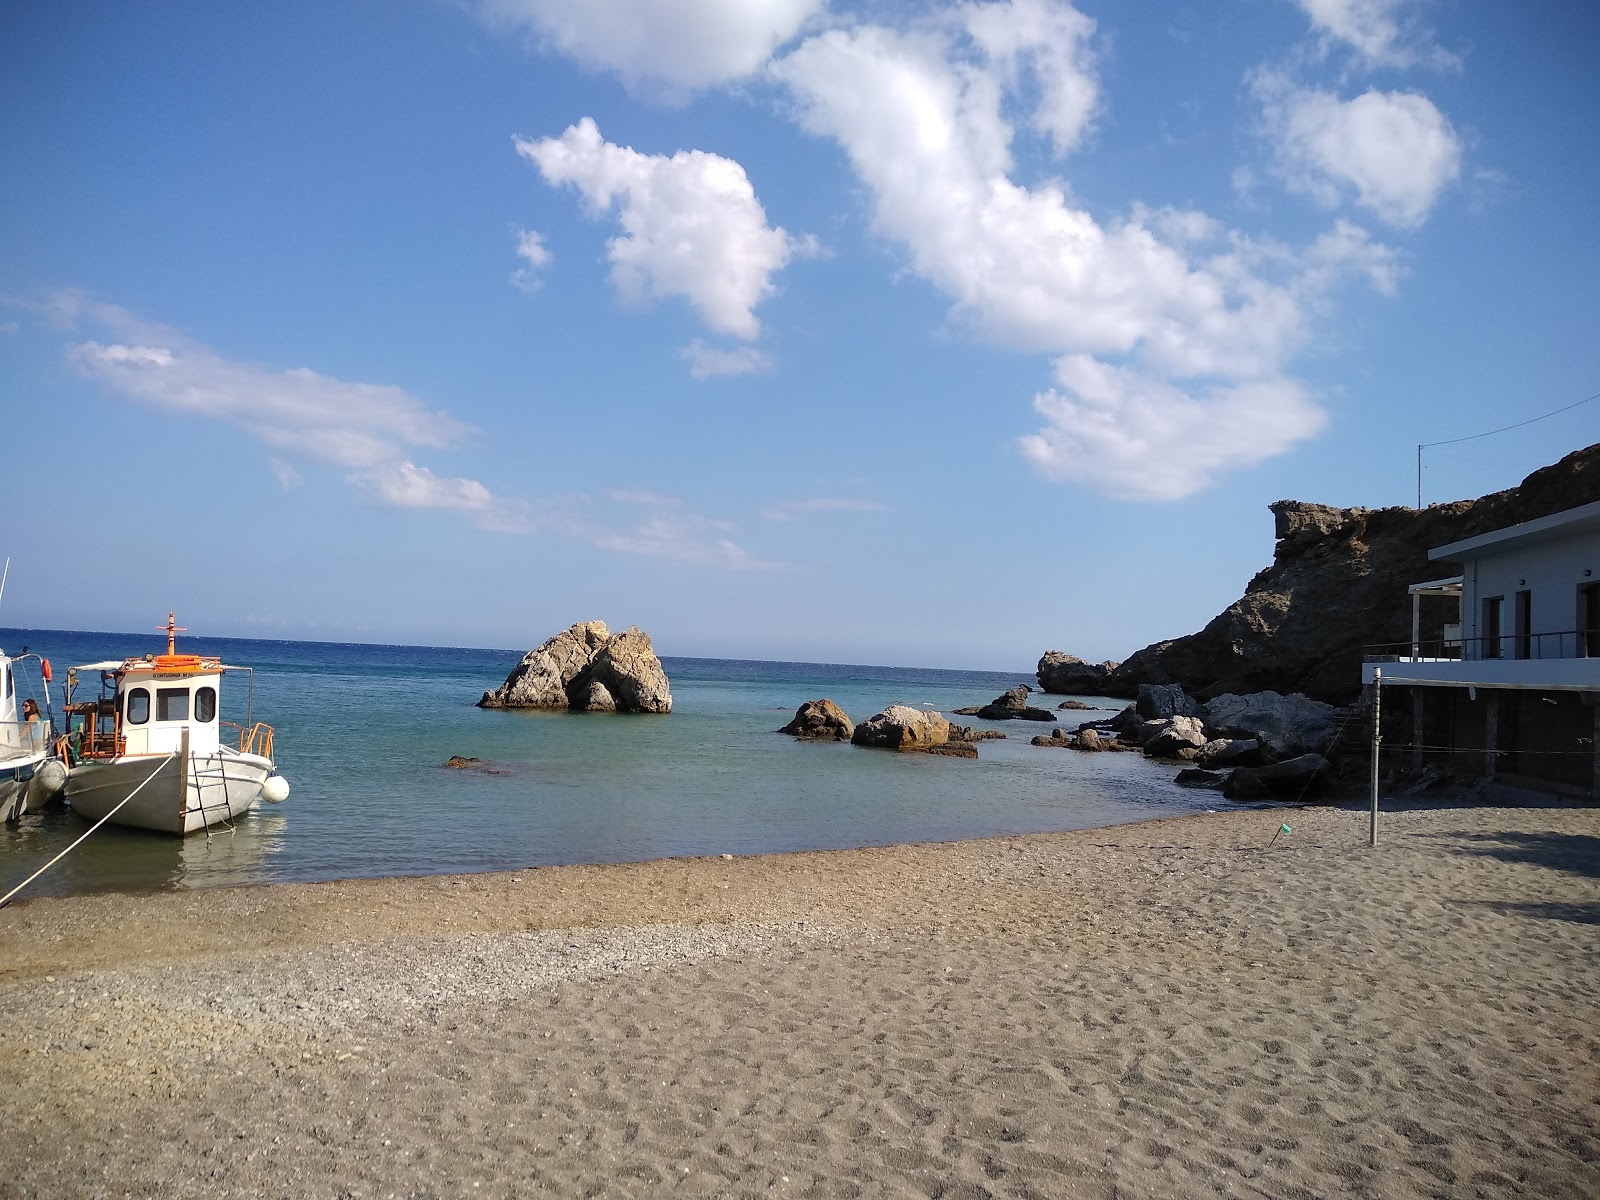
363, 731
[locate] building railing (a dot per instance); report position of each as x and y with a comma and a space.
1569, 643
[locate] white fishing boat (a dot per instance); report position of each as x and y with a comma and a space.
152, 751
30, 777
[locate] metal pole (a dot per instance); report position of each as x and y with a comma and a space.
1377, 737
1419, 474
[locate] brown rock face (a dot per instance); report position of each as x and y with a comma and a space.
1337, 584
587, 668
820, 720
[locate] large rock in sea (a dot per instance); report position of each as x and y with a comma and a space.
587, 669
820, 720
1011, 706
901, 728
1066, 675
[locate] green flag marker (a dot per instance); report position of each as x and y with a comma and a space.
1285, 829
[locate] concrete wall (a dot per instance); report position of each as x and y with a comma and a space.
1551, 572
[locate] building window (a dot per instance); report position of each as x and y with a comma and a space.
1491, 626
1523, 618
205, 704
138, 706
1589, 620
172, 704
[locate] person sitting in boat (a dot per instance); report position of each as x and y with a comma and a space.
30, 709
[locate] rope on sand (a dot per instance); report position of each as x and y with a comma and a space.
6, 899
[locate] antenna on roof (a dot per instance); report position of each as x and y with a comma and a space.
172, 627
3, 575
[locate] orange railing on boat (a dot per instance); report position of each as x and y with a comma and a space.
255, 740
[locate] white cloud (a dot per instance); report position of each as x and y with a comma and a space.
1052, 41
679, 44
790, 510
288, 478
669, 531
707, 362
532, 251
370, 431
1380, 31
1395, 151
1164, 317
1137, 437
692, 225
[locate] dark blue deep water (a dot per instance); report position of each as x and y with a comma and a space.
363, 731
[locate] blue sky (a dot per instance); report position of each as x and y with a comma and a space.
877, 332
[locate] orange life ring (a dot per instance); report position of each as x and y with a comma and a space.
44, 669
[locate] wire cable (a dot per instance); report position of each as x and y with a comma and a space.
1475, 436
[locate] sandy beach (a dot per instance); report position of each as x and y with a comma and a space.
1182, 1008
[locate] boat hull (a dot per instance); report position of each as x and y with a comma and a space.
19, 793
215, 788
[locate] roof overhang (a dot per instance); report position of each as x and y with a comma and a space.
1573, 522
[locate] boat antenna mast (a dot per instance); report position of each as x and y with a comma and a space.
172, 629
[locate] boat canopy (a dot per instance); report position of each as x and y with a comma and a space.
133, 664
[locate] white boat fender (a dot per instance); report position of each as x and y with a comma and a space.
50, 778
275, 789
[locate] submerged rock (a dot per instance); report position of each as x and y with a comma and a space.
459, 763
587, 669
820, 720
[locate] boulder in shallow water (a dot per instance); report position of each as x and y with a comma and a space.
901, 728
1172, 735
820, 720
1012, 706
1065, 674
561, 674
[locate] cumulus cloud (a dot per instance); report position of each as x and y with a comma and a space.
1394, 152
692, 226
533, 252
1382, 32
1138, 437
1160, 317
790, 510
1052, 42
707, 362
680, 45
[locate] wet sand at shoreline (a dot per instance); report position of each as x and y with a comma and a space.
1179, 1008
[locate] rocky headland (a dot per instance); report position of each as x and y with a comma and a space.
1337, 584
587, 669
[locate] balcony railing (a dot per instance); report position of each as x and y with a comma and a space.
1570, 643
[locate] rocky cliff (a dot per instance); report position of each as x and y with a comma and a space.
1337, 584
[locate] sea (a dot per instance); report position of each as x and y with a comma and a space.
363, 733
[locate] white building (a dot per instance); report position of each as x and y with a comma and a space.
1515, 686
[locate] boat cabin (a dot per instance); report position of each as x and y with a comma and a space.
146, 704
